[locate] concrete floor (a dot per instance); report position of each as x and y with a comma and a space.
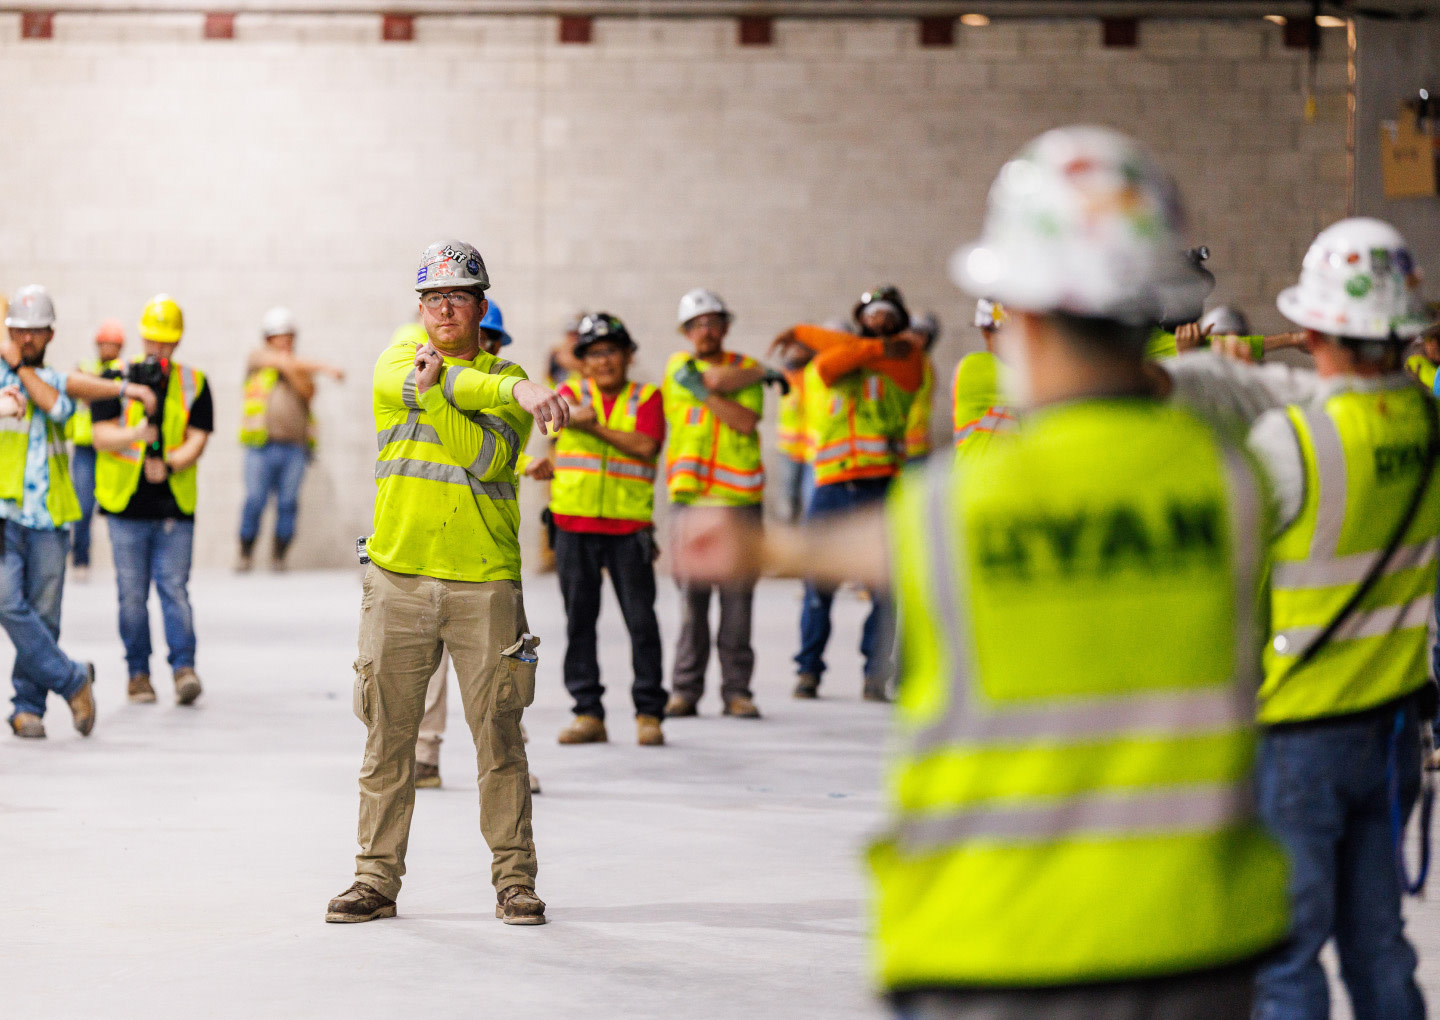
177, 863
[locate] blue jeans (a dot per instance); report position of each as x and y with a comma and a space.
82, 474
32, 581
158, 551
875, 638
1323, 794
277, 468
797, 481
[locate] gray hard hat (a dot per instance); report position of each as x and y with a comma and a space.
30, 308
451, 264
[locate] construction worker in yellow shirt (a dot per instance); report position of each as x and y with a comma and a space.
1072, 830
444, 572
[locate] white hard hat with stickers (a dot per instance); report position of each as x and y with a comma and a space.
1358, 280
451, 264
30, 308
1082, 220
989, 314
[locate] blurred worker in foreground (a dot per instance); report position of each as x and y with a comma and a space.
278, 430
791, 440
602, 502
917, 424
980, 407
858, 392
444, 572
1350, 447
109, 341
1423, 366
1071, 793
713, 404
146, 481
432, 723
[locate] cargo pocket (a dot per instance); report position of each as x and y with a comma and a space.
515, 675
364, 688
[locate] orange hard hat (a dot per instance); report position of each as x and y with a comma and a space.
110, 331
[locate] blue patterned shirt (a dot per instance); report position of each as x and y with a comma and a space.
33, 512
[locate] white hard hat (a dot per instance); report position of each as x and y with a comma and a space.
451, 264
277, 322
989, 314
30, 308
1083, 221
1358, 280
1223, 319
699, 302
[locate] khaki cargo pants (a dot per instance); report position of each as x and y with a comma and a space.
405, 621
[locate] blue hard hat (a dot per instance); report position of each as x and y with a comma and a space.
496, 321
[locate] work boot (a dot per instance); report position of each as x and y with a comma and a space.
585, 729
277, 556
427, 776
139, 688
359, 903
807, 685
82, 703
647, 731
742, 708
187, 686
875, 688
518, 905
245, 562
534, 784
679, 706
28, 724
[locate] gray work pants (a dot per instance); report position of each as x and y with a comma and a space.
732, 639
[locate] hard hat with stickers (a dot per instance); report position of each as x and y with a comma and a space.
1358, 280
451, 264
30, 308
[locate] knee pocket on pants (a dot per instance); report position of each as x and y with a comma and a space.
364, 693
515, 681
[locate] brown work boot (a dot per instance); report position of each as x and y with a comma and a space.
427, 776
28, 724
742, 708
187, 686
82, 703
807, 686
585, 729
518, 905
139, 688
245, 562
875, 689
359, 903
647, 731
679, 706
534, 784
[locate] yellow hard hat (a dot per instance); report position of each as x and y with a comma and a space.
162, 321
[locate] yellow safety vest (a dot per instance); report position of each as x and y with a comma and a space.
1363, 454
593, 478
118, 472
80, 427
790, 436
707, 461
857, 426
980, 408
258, 387
60, 501
1072, 793
435, 516
917, 424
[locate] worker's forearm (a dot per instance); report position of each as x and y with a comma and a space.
486, 450
83, 386
732, 414
847, 548
730, 378
472, 390
299, 378
189, 450
41, 393
111, 436
632, 444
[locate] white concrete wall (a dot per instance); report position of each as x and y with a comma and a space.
306, 163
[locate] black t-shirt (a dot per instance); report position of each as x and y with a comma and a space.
151, 501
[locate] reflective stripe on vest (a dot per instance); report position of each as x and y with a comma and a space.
996, 419
856, 427
706, 460
413, 430
1379, 652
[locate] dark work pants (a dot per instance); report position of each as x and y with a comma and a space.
579, 560
732, 639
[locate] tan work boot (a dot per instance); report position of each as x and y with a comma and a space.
875, 689
359, 903
585, 729
648, 732
28, 724
518, 905
742, 708
187, 686
534, 784
82, 703
427, 776
807, 686
139, 688
679, 706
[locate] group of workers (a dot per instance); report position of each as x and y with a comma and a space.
1163, 690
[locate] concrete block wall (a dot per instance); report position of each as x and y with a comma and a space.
306, 163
